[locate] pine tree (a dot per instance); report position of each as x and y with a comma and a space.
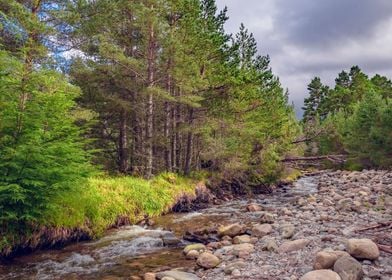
41, 150
317, 95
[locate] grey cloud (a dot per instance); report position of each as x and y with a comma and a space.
307, 38
313, 23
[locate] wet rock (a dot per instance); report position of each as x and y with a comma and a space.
287, 231
321, 275
169, 239
270, 245
253, 207
261, 230
192, 255
291, 246
214, 245
234, 266
207, 260
227, 238
150, 276
363, 249
267, 218
327, 259
225, 243
197, 247
177, 275
243, 250
237, 250
231, 230
241, 239
348, 268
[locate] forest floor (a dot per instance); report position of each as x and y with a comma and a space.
292, 230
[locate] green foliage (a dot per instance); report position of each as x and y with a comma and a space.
359, 120
164, 89
368, 132
106, 199
313, 105
41, 151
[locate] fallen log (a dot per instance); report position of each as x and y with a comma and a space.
385, 248
387, 224
333, 158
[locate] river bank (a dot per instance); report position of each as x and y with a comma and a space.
317, 213
105, 203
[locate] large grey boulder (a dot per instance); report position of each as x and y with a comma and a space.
348, 268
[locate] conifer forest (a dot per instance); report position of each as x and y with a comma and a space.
122, 116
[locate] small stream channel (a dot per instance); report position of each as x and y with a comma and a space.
134, 250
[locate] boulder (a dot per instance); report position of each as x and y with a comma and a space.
237, 250
214, 245
326, 259
270, 245
242, 239
197, 247
208, 260
321, 275
177, 275
169, 239
192, 255
348, 268
287, 231
253, 207
363, 249
233, 266
261, 230
149, 276
236, 273
291, 246
267, 218
231, 230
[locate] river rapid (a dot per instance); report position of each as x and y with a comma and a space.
135, 250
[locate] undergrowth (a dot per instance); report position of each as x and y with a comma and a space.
101, 202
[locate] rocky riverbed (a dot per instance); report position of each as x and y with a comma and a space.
333, 233
329, 225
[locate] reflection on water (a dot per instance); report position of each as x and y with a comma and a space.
134, 250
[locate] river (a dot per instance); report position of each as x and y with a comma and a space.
134, 250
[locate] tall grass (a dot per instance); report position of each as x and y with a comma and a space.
98, 204
105, 199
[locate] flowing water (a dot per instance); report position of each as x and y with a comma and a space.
134, 250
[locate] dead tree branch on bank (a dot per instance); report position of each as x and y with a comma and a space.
332, 158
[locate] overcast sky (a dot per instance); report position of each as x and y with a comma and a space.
307, 38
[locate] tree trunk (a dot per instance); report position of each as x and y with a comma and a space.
123, 143
173, 138
178, 139
166, 132
189, 145
150, 101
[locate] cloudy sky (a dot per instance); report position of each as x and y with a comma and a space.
307, 38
